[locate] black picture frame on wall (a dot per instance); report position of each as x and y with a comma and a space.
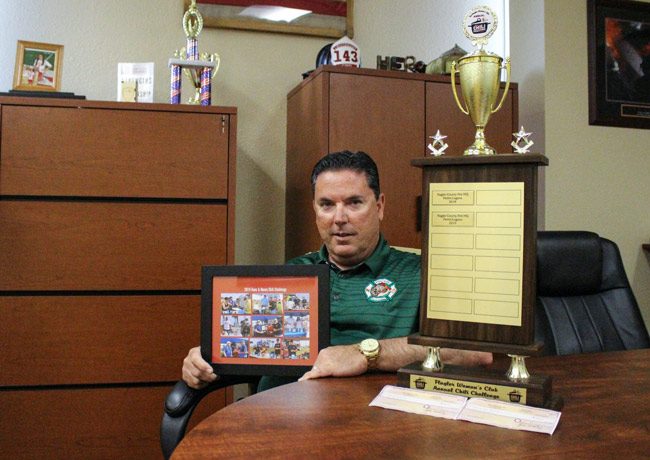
619, 63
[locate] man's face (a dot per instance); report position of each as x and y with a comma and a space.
347, 216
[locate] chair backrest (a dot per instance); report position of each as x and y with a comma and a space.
584, 300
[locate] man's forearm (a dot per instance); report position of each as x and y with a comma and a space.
397, 353
346, 360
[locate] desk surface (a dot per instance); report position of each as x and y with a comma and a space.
606, 414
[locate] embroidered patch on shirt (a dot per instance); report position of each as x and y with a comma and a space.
380, 290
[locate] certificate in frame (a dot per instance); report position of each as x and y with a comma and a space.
264, 319
619, 63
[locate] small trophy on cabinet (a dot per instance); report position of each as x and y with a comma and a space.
199, 68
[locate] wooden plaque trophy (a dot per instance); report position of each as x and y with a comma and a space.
478, 288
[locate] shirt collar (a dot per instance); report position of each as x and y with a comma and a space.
375, 262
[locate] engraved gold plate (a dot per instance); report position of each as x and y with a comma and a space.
469, 389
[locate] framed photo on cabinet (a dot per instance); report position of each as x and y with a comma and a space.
619, 63
38, 66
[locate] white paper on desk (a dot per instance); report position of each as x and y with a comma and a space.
509, 415
419, 402
478, 410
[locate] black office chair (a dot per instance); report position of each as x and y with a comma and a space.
584, 300
181, 402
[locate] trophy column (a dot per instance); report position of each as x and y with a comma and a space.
478, 288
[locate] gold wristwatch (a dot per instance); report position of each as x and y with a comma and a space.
370, 348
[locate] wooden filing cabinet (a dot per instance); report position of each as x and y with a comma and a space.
107, 213
388, 114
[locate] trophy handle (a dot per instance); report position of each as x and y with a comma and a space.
505, 91
453, 87
217, 59
193, 75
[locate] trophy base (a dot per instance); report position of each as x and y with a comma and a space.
480, 383
474, 149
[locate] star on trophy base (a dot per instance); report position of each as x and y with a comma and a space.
438, 146
521, 143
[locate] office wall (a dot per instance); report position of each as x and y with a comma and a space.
599, 177
527, 55
421, 28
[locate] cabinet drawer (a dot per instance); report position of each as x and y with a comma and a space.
68, 151
100, 423
96, 339
72, 246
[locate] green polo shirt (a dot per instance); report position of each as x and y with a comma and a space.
378, 298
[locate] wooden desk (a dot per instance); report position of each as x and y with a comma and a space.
606, 414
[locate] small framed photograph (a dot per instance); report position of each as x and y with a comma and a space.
619, 63
38, 66
264, 320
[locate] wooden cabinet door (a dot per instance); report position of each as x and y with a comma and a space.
383, 116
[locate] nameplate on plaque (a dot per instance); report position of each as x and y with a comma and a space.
469, 389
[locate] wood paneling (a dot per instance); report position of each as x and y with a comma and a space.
108, 246
97, 152
116, 339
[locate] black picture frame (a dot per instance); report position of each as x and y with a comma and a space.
296, 316
619, 51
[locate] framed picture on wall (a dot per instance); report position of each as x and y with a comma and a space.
321, 18
38, 66
619, 63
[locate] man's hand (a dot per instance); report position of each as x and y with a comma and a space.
197, 373
465, 357
337, 361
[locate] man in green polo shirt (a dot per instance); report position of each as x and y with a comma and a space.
374, 289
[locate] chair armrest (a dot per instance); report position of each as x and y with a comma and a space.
180, 404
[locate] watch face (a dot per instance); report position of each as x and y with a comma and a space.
369, 345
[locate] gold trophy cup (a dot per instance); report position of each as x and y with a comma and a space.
479, 74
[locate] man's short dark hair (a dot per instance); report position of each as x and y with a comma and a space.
355, 161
